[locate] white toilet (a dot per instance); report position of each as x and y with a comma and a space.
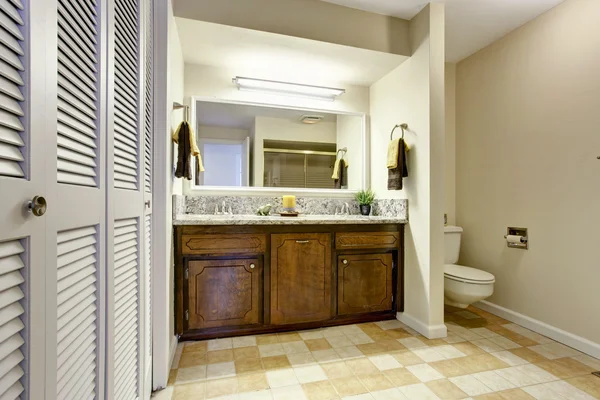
462, 285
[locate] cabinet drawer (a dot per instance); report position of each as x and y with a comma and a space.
367, 240
223, 244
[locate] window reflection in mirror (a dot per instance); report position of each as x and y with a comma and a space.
254, 146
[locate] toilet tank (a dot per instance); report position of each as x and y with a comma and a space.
452, 236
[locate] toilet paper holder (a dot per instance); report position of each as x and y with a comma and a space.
524, 238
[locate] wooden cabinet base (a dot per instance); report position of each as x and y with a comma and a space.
249, 280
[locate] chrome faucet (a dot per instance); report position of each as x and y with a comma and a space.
344, 210
224, 210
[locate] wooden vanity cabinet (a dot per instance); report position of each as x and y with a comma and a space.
224, 292
300, 277
365, 283
247, 279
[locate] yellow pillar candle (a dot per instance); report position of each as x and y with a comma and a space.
289, 202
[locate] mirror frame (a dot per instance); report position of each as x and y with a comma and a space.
190, 189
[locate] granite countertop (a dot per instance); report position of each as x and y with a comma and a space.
206, 219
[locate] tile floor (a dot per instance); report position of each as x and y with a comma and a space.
483, 357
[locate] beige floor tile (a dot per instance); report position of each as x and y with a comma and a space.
528, 355
450, 368
282, 377
384, 362
245, 352
417, 391
340, 341
489, 396
220, 344
554, 350
195, 346
172, 377
276, 362
248, 365
294, 392
163, 394
252, 382
378, 335
191, 391
349, 386
192, 359
219, 356
333, 331
425, 372
433, 342
362, 366
515, 394
221, 387
446, 390
300, 359
480, 363
190, 374
267, 339
258, 395
289, 337
360, 338
412, 343
510, 358
323, 356
505, 343
337, 370
398, 333
222, 370
401, 377
349, 353
323, 390
271, 350
565, 368
371, 348
388, 394
588, 383
390, 345
493, 381
407, 358
470, 385
317, 344
487, 345
244, 341
376, 382
313, 334
567, 390
591, 362
295, 347
310, 373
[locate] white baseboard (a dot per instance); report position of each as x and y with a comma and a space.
577, 342
172, 351
429, 331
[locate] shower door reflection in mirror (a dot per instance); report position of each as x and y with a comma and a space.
245, 145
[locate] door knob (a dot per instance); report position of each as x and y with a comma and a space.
38, 206
345, 262
252, 266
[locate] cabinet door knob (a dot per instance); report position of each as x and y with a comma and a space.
345, 262
38, 206
252, 266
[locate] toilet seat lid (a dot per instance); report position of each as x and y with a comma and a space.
467, 274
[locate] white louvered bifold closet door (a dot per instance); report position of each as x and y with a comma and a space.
77, 314
126, 311
127, 279
76, 221
23, 148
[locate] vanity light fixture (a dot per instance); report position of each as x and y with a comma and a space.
286, 88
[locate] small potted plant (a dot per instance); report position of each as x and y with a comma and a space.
365, 199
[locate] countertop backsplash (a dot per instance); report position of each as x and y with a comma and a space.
247, 205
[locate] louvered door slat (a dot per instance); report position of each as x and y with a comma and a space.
11, 326
127, 95
148, 269
149, 99
77, 93
11, 89
126, 308
77, 325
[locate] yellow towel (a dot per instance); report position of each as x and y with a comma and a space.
392, 154
336, 168
194, 150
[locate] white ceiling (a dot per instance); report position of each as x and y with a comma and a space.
470, 24
265, 55
240, 116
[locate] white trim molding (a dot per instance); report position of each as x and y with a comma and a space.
577, 342
429, 331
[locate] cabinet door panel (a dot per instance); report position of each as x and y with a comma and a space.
300, 278
224, 293
364, 283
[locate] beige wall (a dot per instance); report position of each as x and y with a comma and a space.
450, 153
309, 19
528, 120
414, 93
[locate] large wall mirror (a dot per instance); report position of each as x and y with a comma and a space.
249, 147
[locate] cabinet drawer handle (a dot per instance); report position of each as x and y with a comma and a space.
252, 266
345, 262
302, 241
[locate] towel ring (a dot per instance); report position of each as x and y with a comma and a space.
344, 151
403, 126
